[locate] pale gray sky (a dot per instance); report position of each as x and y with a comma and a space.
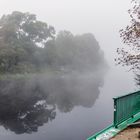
103, 18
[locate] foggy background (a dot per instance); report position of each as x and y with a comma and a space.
103, 19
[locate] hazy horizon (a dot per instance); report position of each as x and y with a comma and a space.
102, 18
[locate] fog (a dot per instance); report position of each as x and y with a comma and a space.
74, 99
27, 103
102, 18
71, 70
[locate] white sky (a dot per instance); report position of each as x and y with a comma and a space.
103, 18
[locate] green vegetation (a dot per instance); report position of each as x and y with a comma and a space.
31, 46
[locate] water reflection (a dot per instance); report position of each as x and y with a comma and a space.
28, 103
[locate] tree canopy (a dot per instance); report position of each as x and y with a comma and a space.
79, 52
21, 34
29, 45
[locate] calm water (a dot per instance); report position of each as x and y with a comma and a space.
60, 107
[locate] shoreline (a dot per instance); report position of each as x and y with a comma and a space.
128, 134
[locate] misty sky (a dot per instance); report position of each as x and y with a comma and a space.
103, 18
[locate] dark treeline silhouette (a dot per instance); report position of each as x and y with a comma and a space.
28, 45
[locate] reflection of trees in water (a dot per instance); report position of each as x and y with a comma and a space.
20, 111
28, 104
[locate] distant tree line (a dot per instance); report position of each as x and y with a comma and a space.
28, 45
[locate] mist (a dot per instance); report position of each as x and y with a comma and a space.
57, 69
32, 100
29, 103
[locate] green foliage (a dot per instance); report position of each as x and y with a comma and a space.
80, 52
28, 45
20, 34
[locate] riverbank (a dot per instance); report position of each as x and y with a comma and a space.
128, 134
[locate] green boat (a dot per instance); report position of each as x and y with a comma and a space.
126, 112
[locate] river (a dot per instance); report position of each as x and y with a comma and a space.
61, 107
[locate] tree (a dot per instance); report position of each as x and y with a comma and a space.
79, 52
130, 54
28, 45
21, 39
24, 26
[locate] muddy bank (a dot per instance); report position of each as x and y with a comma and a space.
128, 134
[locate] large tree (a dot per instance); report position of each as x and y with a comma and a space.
22, 38
29, 45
